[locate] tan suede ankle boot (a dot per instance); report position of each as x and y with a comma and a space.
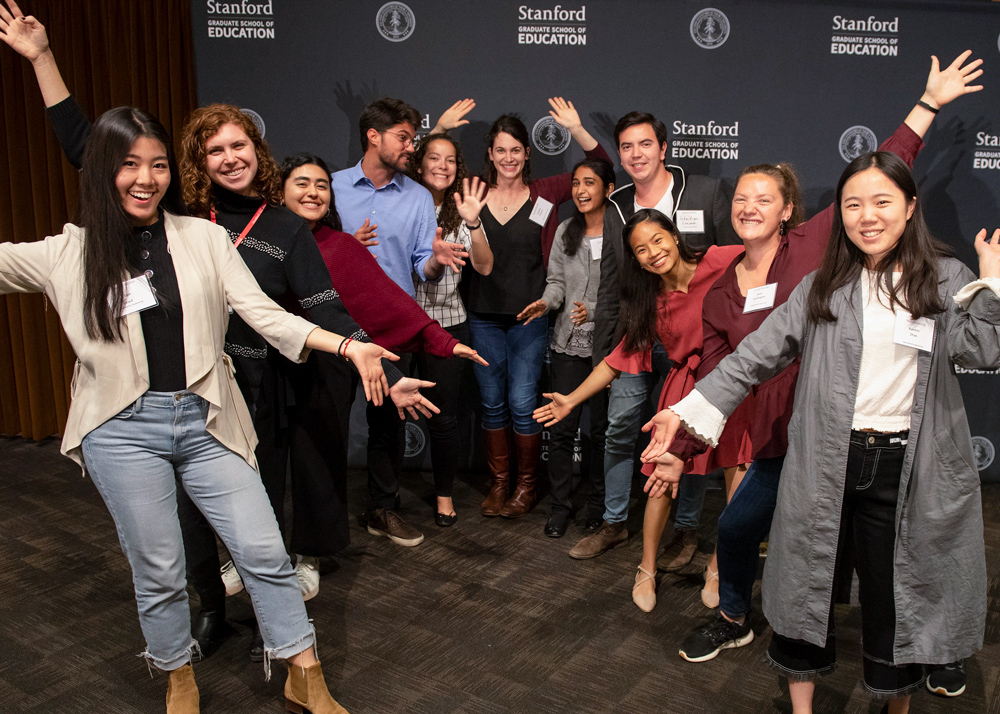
182, 692
305, 691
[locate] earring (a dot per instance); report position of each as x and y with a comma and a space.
782, 228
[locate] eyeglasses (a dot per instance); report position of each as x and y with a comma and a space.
404, 139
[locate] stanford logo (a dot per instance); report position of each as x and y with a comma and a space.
415, 440
856, 141
549, 136
257, 119
395, 21
710, 28
984, 451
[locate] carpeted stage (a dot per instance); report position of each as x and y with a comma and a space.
486, 617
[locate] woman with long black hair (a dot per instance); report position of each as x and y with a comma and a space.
880, 459
143, 295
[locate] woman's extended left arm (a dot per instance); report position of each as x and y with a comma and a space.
566, 115
974, 334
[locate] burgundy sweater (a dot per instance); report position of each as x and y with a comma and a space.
391, 318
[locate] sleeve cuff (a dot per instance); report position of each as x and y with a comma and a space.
700, 418
964, 297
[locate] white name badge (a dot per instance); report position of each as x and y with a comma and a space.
761, 298
690, 221
138, 295
917, 333
596, 244
540, 212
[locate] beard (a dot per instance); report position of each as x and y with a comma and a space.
395, 162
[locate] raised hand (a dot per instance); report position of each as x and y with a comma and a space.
553, 412
579, 313
367, 358
666, 477
664, 425
533, 310
466, 352
946, 85
449, 254
366, 234
989, 254
472, 199
452, 116
405, 394
25, 35
564, 113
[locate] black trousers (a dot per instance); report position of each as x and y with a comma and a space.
568, 373
868, 525
448, 375
386, 441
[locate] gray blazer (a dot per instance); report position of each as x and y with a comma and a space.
940, 564
571, 278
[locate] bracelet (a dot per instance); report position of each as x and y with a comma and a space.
341, 346
347, 343
928, 107
472, 228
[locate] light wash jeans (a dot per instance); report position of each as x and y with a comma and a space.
629, 407
136, 460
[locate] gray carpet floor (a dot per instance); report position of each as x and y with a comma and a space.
486, 617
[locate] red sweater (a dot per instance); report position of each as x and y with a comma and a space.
390, 317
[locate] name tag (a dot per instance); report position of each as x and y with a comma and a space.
917, 333
596, 244
540, 212
690, 221
761, 298
138, 295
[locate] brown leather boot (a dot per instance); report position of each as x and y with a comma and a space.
182, 692
498, 460
305, 691
526, 493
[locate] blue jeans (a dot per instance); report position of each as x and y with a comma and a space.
509, 386
690, 499
136, 460
627, 410
743, 525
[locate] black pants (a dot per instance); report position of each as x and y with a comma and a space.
868, 524
568, 373
443, 427
386, 441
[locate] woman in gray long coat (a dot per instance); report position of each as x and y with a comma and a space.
879, 445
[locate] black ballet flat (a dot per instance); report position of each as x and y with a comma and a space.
444, 520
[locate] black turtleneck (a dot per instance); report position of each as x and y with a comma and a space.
162, 325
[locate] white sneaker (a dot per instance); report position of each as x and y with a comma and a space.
307, 572
231, 578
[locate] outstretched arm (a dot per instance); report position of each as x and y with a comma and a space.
27, 36
566, 115
943, 87
453, 116
561, 405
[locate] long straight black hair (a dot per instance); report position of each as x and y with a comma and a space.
577, 225
641, 288
109, 228
916, 254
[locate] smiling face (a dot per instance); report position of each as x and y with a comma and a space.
439, 166
508, 156
875, 211
143, 179
307, 193
589, 191
758, 208
640, 153
655, 248
230, 159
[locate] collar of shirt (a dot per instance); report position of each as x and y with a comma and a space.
357, 176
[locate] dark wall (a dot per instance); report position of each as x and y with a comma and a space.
755, 81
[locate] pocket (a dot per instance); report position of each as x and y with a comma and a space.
963, 474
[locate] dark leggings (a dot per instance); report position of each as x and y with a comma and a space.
867, 525
443, 428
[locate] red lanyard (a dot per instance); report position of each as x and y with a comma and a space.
236, 244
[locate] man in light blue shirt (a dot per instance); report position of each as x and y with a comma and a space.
377, 194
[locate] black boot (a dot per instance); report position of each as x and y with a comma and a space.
210, 629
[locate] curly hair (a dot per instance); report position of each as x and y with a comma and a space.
448, 219
204, 123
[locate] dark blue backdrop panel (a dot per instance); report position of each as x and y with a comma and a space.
736, 83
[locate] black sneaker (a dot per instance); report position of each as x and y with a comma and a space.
706, 642
947, 681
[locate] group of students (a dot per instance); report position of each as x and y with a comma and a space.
816, 349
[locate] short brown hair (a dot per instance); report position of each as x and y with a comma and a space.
384, 114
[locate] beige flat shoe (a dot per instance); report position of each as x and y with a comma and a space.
708, 598
645, 602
